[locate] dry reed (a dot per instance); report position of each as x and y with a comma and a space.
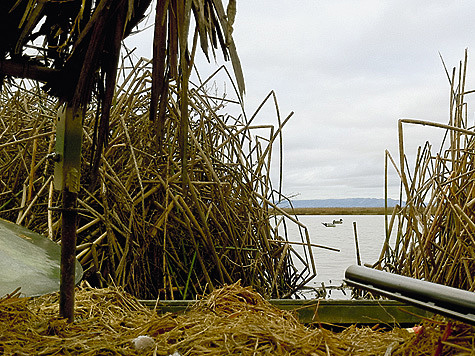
152, 224
436, 225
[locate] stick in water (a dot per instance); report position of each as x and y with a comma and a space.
358, 259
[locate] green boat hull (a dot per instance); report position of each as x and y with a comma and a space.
29, 261
330, 312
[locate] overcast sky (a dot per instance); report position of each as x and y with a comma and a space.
349, 70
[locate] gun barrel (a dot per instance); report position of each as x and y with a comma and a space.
436, 297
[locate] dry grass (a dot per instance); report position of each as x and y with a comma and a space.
435, 228
164, 218
231, 320
338, 211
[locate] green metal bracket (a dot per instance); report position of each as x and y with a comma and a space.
67, 169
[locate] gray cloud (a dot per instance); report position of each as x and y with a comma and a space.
349, 70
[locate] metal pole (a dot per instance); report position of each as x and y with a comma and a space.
68, 255
445, 300
67, 179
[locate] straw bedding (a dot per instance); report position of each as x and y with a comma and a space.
230, 320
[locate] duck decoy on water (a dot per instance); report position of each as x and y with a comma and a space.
338, 221
327, 224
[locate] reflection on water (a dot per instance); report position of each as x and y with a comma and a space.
331, 265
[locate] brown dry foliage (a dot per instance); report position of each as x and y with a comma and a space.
435, 228
154, 224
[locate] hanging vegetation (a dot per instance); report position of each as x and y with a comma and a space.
74, 48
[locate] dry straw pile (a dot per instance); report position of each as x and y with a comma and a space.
230, 320
165, 217
436, 227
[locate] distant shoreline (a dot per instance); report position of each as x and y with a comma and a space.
337, 211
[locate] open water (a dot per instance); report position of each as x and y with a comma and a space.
331, 265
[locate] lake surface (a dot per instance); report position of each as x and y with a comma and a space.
331, 265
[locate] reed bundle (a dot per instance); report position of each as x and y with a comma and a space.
166, 218
435, 228
231, 320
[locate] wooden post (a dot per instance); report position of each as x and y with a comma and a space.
68, 255
67, 179
358, 259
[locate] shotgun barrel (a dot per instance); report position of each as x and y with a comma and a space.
452, 302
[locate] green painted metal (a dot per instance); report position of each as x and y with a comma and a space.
347, 312
325, 311
68, 149
30, 261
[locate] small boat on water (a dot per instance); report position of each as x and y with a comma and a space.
327, 224
338, 221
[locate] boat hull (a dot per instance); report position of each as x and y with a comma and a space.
331, 312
